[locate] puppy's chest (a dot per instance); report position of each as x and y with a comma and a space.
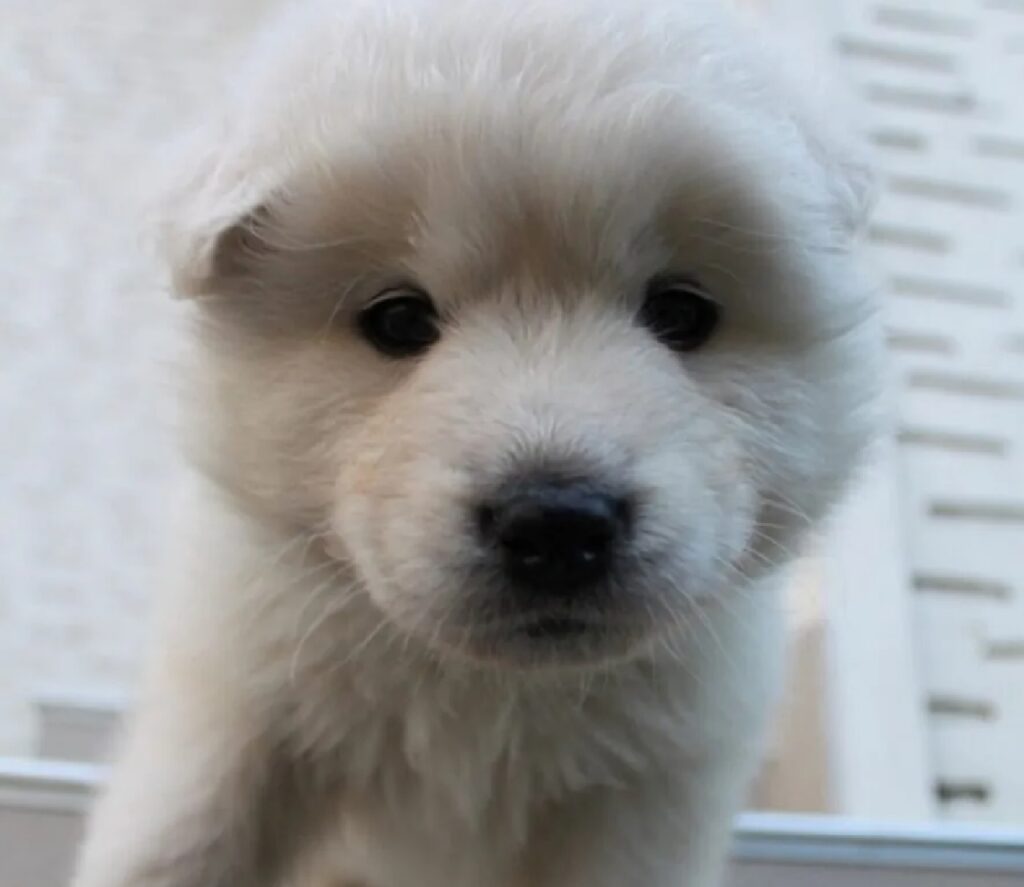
473, 753
446, 789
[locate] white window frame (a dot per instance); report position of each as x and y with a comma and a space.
879, 753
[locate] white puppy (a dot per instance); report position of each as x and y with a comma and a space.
530, 343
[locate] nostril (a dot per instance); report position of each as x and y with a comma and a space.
485, 518
624, 512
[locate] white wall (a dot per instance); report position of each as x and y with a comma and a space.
88, 88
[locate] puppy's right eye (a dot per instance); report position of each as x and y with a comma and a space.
400, 323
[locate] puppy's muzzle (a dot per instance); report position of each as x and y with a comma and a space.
555, 542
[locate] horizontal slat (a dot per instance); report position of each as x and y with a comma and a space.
940, 440
922, 21
957, 583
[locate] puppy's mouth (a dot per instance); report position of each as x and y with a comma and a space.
550, 638
555, 628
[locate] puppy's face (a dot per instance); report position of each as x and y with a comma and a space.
549, 359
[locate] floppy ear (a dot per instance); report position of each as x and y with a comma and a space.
212, 215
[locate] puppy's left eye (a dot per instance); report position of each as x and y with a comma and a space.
401, 323
679, 313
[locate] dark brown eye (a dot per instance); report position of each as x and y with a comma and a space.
679, 313
401, 323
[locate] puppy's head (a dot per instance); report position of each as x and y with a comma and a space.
544, 314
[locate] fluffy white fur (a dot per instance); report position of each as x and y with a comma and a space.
323, 709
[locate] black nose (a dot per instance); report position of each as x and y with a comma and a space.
556, 538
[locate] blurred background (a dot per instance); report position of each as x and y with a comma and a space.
907, 691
